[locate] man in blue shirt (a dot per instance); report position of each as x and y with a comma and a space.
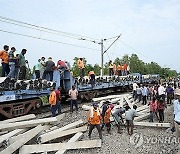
12, 63
169, 91
177, 112
144, 94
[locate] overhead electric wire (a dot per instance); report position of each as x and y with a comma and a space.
36, 28
49, 29
34, 37
134, 49
106, 53
111, 38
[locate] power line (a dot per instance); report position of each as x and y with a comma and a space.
134, 49
45, 28
35, 28
34, 37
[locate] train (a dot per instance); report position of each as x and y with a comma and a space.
19, 97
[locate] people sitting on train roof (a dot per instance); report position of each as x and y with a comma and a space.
91, 76
81, 67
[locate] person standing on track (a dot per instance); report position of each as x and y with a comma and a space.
73, 93
177, 113
169, 91
58, 99
52, 101
134, 90
161, 92
94, 119
118, 118
153, 109
104, 109
161, 107
107, 118
144, 94
130, 114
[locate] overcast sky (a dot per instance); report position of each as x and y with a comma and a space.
150, 27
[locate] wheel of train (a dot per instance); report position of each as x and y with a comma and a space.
38, 104
89, 95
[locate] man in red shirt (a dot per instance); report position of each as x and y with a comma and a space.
61, 65
58, 99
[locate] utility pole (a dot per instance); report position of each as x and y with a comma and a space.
102, 58
103, 52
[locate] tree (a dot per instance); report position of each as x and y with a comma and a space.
97, 69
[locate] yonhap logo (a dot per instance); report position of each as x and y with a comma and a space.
137, 140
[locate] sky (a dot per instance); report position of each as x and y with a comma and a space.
149, 28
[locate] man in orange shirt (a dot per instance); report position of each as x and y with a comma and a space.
5, 62
107, 117
52, 101
94, 119
81, 67
125, 69
114, 69
91, 76
119, 70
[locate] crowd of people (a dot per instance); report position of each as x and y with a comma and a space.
13, 66
120, 69
157, 95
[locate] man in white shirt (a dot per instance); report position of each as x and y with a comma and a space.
42, 66
161, 92
73, 93
177, 112
144, 94
134, 90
